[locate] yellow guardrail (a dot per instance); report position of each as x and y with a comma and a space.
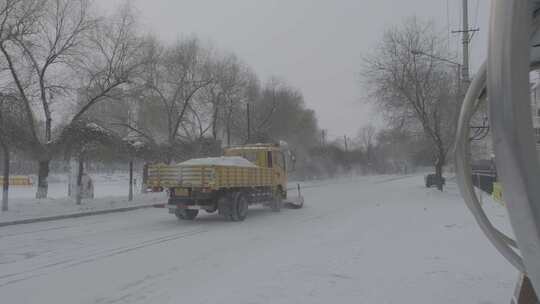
18, 180
497, 193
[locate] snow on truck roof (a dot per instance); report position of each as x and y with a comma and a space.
229, 161
254, 147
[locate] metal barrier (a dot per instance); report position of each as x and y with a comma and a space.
513, 39
18, 180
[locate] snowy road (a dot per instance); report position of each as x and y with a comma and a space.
367, 240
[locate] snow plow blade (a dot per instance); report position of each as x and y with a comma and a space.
294, 202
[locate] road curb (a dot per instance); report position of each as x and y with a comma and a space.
72, 215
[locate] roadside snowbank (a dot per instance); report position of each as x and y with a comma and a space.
110, 193
22, 209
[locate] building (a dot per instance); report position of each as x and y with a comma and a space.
535, 107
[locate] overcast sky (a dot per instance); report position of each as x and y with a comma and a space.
315, 45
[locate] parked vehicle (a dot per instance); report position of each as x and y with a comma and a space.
433, 180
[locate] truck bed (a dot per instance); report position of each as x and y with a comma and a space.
208, 176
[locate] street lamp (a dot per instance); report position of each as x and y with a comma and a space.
457, 64
480, 132
418, 52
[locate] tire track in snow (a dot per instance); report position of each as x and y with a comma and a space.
72, 262
393, 179
347, 181
46, 230
50, 228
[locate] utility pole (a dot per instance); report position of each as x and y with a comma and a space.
346, 152
130, 193
466, 39
465, 29
248, 123
323, 138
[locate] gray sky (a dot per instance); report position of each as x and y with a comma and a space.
315, 45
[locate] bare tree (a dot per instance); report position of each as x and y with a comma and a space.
225, 91
16, 19
65, 56
274, 93
396, 147
366, 138
13, 132
5, 155
5, 126
413, 90
174, 76
234, 115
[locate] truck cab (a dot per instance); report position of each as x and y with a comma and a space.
269, 156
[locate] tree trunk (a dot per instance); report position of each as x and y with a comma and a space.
130, 195
439, 172
214, 122
43, 174
144, 184
48, 126
5, 187
229, 117
78, 198
228, 133
248, 114
169, 157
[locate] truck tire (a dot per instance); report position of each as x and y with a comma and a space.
186, 214
233, 207
239, 208
212, 209
224, 206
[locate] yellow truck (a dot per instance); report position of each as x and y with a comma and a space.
245, 175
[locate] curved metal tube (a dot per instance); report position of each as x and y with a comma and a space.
511, 120
463, 172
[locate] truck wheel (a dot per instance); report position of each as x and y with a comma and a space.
225, 206
239, 207
212, 209
186, 214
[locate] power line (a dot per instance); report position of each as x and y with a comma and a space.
248, 114
466, 39
448, 23
458, 51
476, 13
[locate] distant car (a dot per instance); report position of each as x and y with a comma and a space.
433, 180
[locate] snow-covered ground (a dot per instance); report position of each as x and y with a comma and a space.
111, 192
105, 185
377, 239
